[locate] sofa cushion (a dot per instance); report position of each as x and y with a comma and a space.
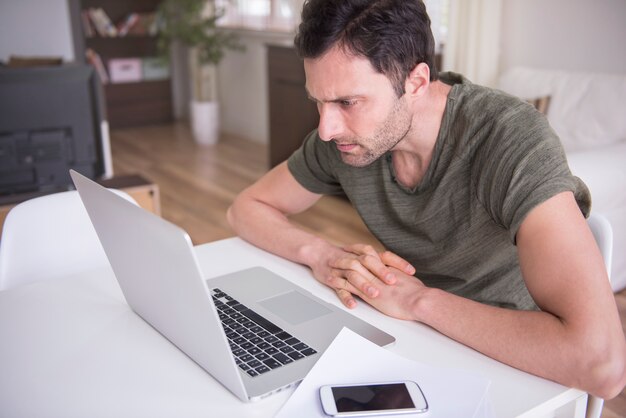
604, 171
587, 110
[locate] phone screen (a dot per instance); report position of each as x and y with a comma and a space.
372, 397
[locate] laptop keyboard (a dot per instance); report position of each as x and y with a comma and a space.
257, 344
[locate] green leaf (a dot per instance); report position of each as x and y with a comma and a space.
182, 20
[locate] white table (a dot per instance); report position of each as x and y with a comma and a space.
73, 348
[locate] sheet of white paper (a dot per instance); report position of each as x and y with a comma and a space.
353, 359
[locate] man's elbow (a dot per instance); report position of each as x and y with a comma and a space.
231, 217
239, 211
608, 375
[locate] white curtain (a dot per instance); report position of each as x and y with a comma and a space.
473, 41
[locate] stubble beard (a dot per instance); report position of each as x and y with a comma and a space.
393, 130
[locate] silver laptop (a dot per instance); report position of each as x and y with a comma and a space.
254, 331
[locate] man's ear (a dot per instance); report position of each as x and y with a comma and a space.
418, 80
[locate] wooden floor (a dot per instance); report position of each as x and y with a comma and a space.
197, 184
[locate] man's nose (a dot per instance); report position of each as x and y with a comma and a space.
331, 124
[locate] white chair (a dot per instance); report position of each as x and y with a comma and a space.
49, 237
603, 233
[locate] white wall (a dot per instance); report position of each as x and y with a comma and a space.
243, 87
35, 28
575, 35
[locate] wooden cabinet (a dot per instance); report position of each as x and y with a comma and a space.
144, 192
292, 114
130, 103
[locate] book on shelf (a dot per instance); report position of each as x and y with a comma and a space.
94, 59
145, 25
127, 24
96, 22
102, 23
88, 29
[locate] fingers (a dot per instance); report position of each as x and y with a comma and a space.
357, 273
346, 298
387, 257
371, 260
361, 249
344, 289
394, 260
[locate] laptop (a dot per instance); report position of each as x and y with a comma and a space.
252, 330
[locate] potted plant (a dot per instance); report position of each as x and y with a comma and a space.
192, 23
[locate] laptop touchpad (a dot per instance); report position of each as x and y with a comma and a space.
294, 307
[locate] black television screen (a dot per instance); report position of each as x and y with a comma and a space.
50, 121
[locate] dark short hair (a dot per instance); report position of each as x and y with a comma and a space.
394, 35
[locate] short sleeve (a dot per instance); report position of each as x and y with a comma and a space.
521, 165
313, 166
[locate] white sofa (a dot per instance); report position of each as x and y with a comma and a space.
588, 112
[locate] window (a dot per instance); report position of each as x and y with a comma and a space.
273, 15
284, 15
438, 11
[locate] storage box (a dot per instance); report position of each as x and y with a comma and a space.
125, 70
155, 68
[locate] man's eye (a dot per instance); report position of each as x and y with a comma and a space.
348, 103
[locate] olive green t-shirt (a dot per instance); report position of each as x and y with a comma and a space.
495, 159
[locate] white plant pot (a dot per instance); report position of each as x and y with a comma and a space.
205, 122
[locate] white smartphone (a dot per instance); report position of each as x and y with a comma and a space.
373, 399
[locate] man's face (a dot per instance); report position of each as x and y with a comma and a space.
358, 107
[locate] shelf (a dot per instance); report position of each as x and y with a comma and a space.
123, 47
127, 104
119, 9
143, 191
140, 103
147, 89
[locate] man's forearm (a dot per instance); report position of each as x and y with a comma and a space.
534, 341
268, 228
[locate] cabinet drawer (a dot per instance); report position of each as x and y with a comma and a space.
137, 92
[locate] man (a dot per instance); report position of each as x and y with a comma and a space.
467, 188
